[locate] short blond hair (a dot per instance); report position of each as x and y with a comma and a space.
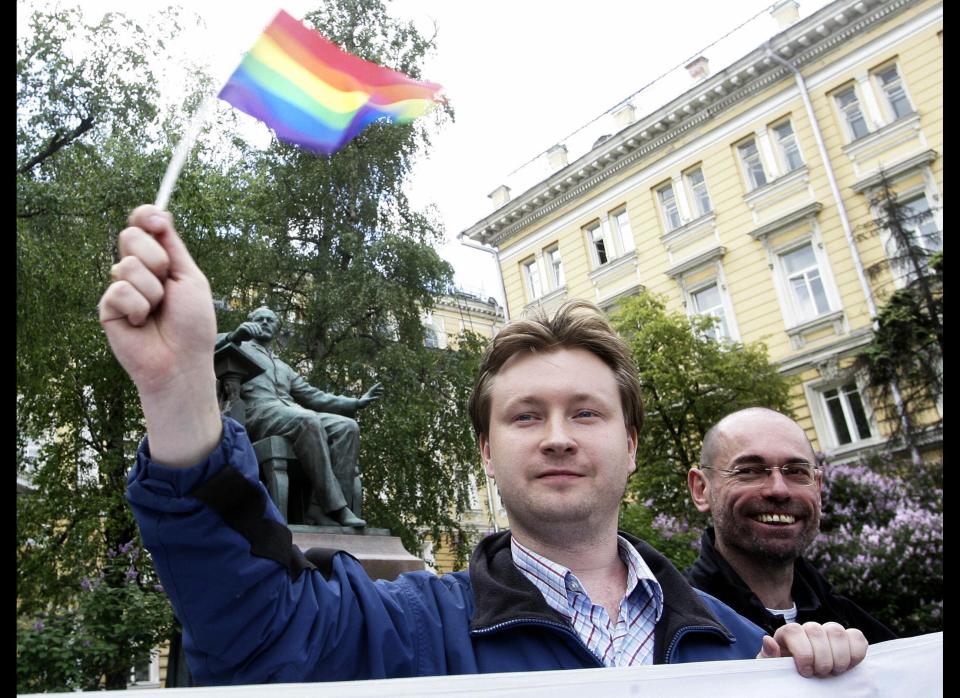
577, 324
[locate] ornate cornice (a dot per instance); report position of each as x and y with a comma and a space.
806, 41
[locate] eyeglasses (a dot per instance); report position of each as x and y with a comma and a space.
799, 474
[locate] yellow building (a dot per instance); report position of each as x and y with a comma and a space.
453, 313
740, 195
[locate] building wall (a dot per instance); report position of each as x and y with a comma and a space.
452, 315
744, 243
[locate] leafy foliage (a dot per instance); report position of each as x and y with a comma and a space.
907, 348
332, 244
881, 540
121, 615
688, 382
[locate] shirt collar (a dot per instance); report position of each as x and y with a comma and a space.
554, 580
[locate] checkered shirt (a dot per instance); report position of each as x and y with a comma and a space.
628, 640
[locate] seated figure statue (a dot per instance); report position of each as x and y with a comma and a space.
318, 425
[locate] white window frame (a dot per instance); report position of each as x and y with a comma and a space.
823, 420
692, 190
473, 493
889, 111
595, 233
669, 207
617, 243
794, 300
746, 162
844, 115
531, 279
901, 273
624, 238
153, 680
554, 266
784, 146
725, 307
792, 316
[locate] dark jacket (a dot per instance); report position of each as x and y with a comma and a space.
256, 610
812, 593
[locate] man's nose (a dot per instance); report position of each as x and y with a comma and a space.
557, 438
776, 485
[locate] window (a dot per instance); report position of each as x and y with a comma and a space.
753, 167
621, 222
434, 332
531, 274
698, 187
806, 289
473, 494
848, 420
888, 78
787, 146
610, 238
708, 301
668, 206
924, 235
555, 267
598, 247
920, 223
849, 106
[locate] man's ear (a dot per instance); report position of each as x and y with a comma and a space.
485, 454
699, 488
632, 448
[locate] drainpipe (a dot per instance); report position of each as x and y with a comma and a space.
847, 230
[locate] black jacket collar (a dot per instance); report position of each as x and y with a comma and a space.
713, 574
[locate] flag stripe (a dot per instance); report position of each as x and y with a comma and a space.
315, 95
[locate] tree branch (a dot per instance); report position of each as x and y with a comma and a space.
55, 144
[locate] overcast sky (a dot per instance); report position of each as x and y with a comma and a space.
521, 74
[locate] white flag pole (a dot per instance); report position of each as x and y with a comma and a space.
182, 150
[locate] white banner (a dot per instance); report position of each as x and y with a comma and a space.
898, 668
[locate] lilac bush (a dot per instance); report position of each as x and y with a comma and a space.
881, 541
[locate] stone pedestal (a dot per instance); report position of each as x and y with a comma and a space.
382, 555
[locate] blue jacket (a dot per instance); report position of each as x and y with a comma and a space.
256, 610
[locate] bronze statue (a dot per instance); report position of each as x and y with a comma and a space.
318, 425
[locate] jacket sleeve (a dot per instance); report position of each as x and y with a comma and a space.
319, 401
253, 609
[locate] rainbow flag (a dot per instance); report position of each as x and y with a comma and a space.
315, 95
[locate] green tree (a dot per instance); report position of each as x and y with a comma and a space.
352, 268
904, 362
92, 143
689, 381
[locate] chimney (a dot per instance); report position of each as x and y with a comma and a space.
557, 157
785, 12
698, 68
500, 195
624, 115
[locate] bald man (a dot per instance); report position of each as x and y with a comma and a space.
759, 481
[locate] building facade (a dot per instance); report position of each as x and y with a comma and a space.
745, 197
454, 313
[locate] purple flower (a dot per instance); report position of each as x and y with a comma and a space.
111, 553
85, 584
131, 574
38, 626
126, 547
157, 587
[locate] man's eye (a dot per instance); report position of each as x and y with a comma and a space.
749, 471
586, 413
523, 418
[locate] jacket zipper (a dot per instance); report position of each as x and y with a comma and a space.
668, 659
543, 623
